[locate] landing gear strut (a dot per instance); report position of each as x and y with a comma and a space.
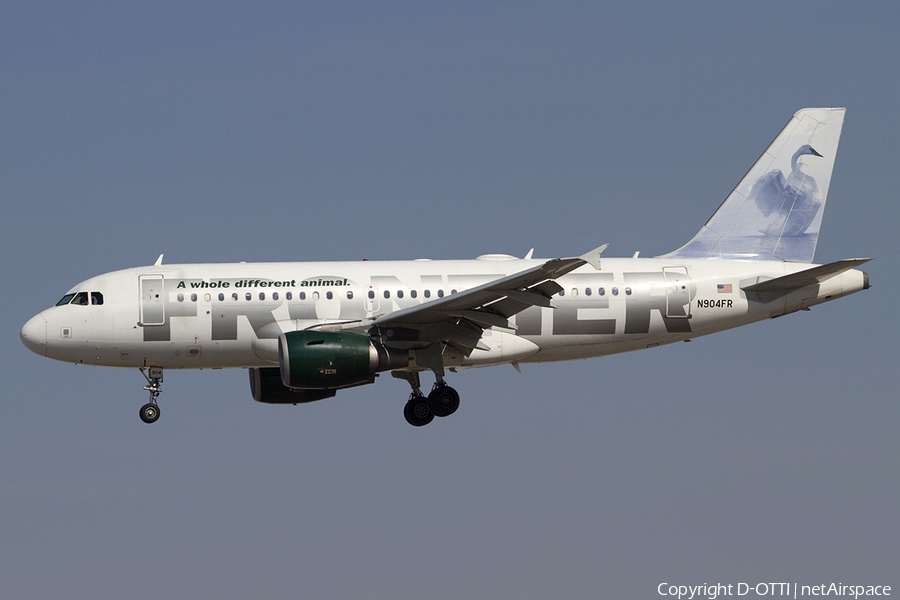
421, 409
416, 411
150, 411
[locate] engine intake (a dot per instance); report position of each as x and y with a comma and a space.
317, 360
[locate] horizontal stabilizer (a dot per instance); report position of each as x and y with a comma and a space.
813, 276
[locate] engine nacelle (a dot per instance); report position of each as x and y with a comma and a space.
317, 360
266, 387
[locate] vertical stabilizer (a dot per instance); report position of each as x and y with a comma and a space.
776, 210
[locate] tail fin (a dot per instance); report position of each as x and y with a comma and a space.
776, 210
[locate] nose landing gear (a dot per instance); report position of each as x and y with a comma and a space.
150, 411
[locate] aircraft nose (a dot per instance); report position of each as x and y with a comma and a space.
34, 335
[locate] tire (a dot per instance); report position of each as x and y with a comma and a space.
443, 401
417, 411
149, 413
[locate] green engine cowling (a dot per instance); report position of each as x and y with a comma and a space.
266, 387
316, 360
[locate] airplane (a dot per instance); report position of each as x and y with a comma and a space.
305, 330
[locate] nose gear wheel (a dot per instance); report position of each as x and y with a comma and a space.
150, 411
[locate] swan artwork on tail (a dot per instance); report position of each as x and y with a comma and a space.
795, 198
775, 212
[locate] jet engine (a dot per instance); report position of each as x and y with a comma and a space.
325, 360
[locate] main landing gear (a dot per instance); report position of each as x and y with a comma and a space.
150, 411
421, 409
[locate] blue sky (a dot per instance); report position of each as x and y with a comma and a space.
217, 132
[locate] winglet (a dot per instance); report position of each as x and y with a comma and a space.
528, 256
593, 257
158, 261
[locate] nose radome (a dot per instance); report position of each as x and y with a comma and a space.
34, 335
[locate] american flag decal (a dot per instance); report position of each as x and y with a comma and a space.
723, 288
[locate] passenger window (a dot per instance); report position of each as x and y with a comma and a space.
628, 291
440, 293
574, 291
428, 293
371, 294
193, 297
602, 291
289, 296
234, 296
587, 291
65, 299
81, 299
96, 298
349, 295
303, 295
262, 296
207, 297
387, 294
315, 296
248, 296
615, 291
181, 297
221, 297
412, 293
399, 293
562, 292
329, 295
274, 295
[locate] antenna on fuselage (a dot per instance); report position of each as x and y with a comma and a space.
158, 261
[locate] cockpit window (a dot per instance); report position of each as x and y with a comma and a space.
65, 299
81, 299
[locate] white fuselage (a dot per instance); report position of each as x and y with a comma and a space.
231, 315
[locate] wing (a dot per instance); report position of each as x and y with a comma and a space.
459, 319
